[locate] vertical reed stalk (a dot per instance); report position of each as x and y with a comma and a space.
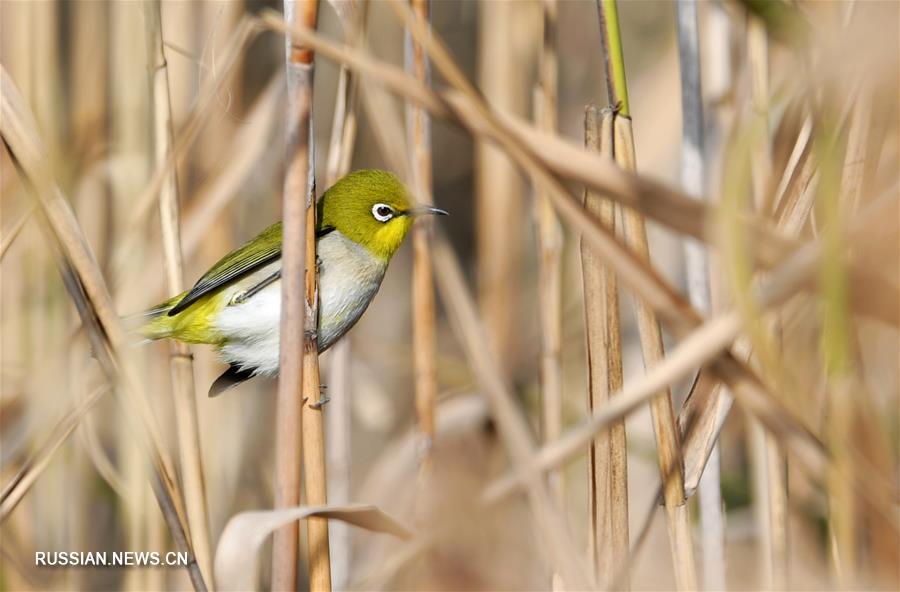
313, 422
550, 246
296, 200
497, 182
339, 417
693, 181
418, 126
664, 425
607, 454
769, 464
830, 150
181, 359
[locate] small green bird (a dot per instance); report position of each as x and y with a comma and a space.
236, 305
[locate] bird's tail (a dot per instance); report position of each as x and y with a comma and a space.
154, 323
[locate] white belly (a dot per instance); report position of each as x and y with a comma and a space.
349, 277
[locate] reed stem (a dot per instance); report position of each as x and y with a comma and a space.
181, 359
296, 201
668, 437
424, 331
608, 453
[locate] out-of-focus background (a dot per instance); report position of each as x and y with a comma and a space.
84, 69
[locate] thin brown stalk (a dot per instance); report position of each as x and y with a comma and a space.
424, 330
550, 246
339, 417
300, 72
16, 227
668, 437
838, 189
607, 455
497, 182
18, 486
181, 360
769, 466
296, 200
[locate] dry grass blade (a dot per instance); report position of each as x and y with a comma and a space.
181, 363
10, 235
245, 533
511, 425
21, 138
607, 454
20, 484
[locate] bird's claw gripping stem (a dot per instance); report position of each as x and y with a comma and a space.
323, 398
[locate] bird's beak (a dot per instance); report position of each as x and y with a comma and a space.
425, 210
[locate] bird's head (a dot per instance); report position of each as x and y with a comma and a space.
372, 208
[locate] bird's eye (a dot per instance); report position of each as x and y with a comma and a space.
382, 212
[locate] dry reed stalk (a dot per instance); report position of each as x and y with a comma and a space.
340, 414
550, 246
181, 363
295, 202
665, 428
761, 159
693, 181
300, 73
497, 182
9, 235
769, 466
608, 454
18, 486
835, 189
94, 303
418, 128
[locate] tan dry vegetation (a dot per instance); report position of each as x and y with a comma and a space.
465, 446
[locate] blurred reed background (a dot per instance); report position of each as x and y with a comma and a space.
765, 140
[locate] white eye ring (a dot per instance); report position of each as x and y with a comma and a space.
382, 212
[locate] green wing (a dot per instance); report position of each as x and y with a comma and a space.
256, 253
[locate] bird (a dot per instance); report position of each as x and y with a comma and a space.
236, 306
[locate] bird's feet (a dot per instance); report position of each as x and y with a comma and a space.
323, 398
